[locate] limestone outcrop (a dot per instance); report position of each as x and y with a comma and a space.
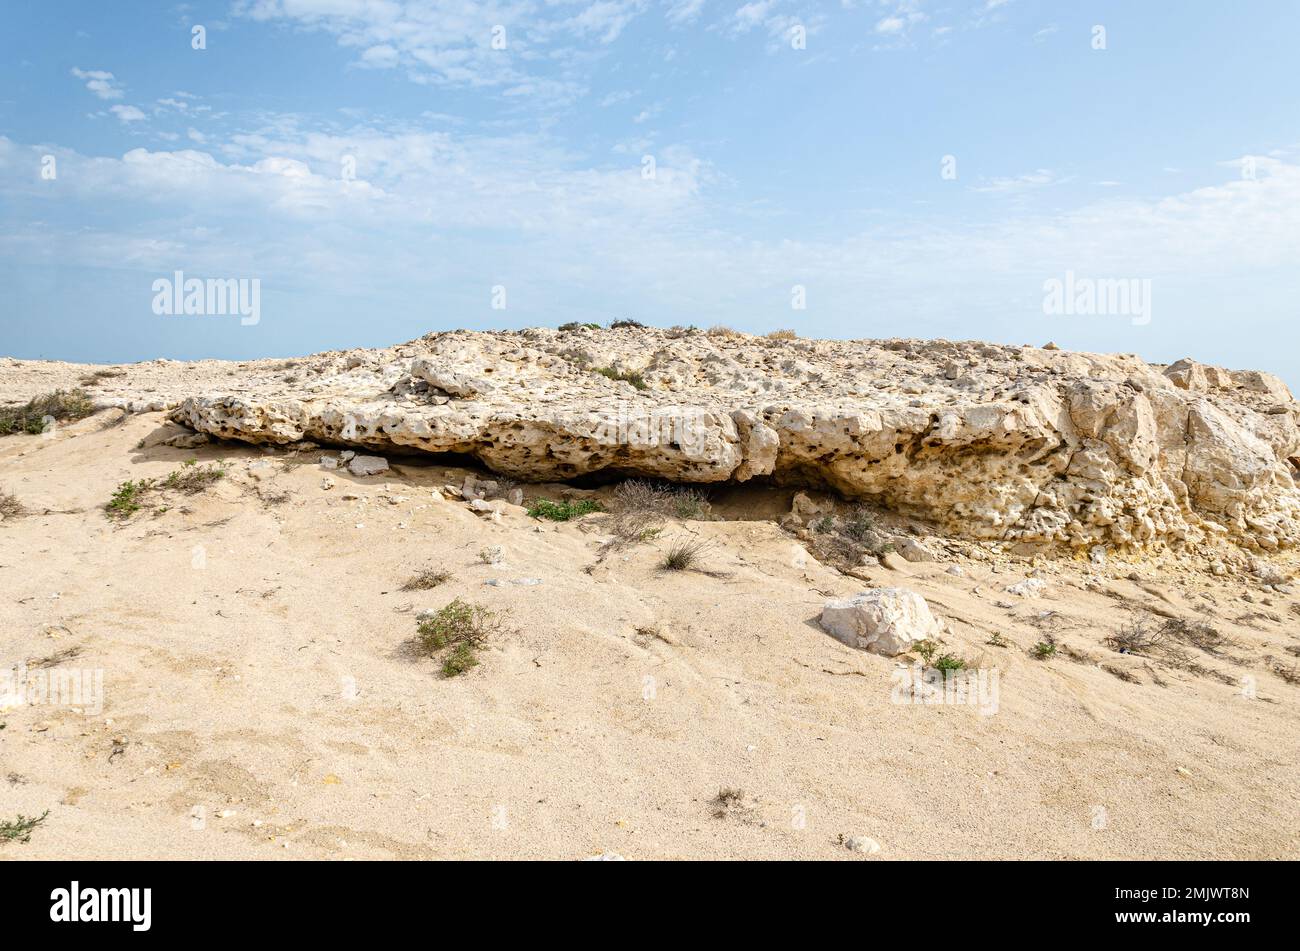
987, 441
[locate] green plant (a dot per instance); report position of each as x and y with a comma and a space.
997, 640
630, 376
860, 525
126, 501
61, 405
576, 325
562, 511
190, 479
947, 663
130, 496
461, 629
1043, 650
626, 322
20, 830
927, 649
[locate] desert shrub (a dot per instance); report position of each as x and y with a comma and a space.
626, 322
638, 495
460, 629
128, 498
860, 525
61, 405
945, 662
1199, 634
718, 330
562, 511
783, 335
20, 829
10, 507
629, 376
425, 579
1135, 637
190, 479
1043, 650
843, 541
577, 325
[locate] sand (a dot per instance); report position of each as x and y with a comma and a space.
262, 697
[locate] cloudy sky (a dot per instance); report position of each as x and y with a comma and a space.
897, 167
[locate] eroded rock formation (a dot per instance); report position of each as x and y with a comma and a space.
987, 441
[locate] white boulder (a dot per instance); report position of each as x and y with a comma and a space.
881, 620
367, 465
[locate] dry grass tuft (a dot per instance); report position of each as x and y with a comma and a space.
685, 555
10, 507
61, 406
425, 579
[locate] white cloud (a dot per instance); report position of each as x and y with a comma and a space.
99, 82
1021, 183
450, 42
127, 113
751, 15
381, 56
684, 11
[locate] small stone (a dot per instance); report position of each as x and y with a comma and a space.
860, 843
329, 462
1029, 588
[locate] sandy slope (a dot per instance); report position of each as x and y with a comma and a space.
229, 676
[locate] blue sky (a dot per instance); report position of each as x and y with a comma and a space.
379, 167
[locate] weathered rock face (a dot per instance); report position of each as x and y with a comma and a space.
995, 442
